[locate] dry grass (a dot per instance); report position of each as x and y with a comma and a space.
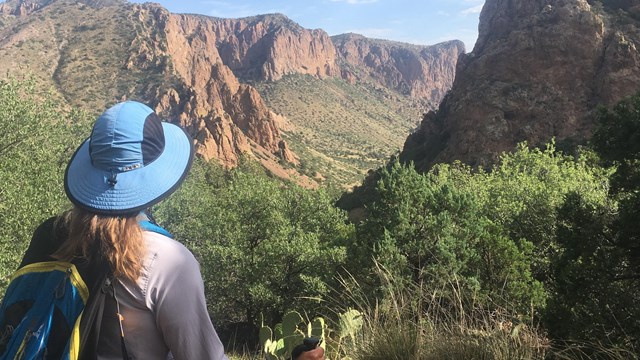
417, 323
339, 129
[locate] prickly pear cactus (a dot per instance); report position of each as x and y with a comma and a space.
279, 343
291, 335
269, 346
350, 324
317, 328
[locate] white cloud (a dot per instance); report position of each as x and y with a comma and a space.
356, 2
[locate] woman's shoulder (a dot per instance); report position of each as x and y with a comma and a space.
169, 267
167, 251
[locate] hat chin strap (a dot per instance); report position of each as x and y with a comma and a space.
112, 179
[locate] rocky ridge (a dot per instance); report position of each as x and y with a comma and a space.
539, 70
267, 47
227, 118
169, 61
425, 72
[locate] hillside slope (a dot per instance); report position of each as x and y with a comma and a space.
342, 127
339, 129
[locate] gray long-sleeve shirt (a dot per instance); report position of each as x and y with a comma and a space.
164, 311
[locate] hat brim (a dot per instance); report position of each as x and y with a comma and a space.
135, 190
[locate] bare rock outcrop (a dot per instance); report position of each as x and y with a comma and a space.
425, 72
267, 47
539, 70
21, 8
219, 139
223, 115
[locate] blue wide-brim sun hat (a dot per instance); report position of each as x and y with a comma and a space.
131, 161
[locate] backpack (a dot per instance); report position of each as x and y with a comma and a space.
48, 313
41, 311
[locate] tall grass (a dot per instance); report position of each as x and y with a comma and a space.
419, 323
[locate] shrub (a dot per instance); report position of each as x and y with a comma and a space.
264, 247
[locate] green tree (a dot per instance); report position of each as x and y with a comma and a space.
430, 229
491, 232
37, 137
522, 194
597, 276
592, 299
265, 247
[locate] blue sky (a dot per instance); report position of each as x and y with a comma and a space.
423, 22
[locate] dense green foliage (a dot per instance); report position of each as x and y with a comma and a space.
597, 271
265, 247
37, 137
490, 232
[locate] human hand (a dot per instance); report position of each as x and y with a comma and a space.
315, 354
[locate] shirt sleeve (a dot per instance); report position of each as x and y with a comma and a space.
176, 296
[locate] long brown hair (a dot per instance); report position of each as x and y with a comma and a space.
116, 238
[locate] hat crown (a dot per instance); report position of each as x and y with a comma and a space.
132, 161
126, 137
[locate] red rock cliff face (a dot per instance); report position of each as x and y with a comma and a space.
425, 72
538, 70
267, 47
225, 117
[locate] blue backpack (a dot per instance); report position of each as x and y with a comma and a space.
41, 313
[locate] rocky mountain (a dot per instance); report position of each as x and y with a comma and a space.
121, 50
341, 126
227, 117
539, 70
201, 71
267, 47
418, 71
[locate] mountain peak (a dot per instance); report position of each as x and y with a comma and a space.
347, 37
22, 7
191, 69
272, 20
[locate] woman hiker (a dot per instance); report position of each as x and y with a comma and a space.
132, 161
